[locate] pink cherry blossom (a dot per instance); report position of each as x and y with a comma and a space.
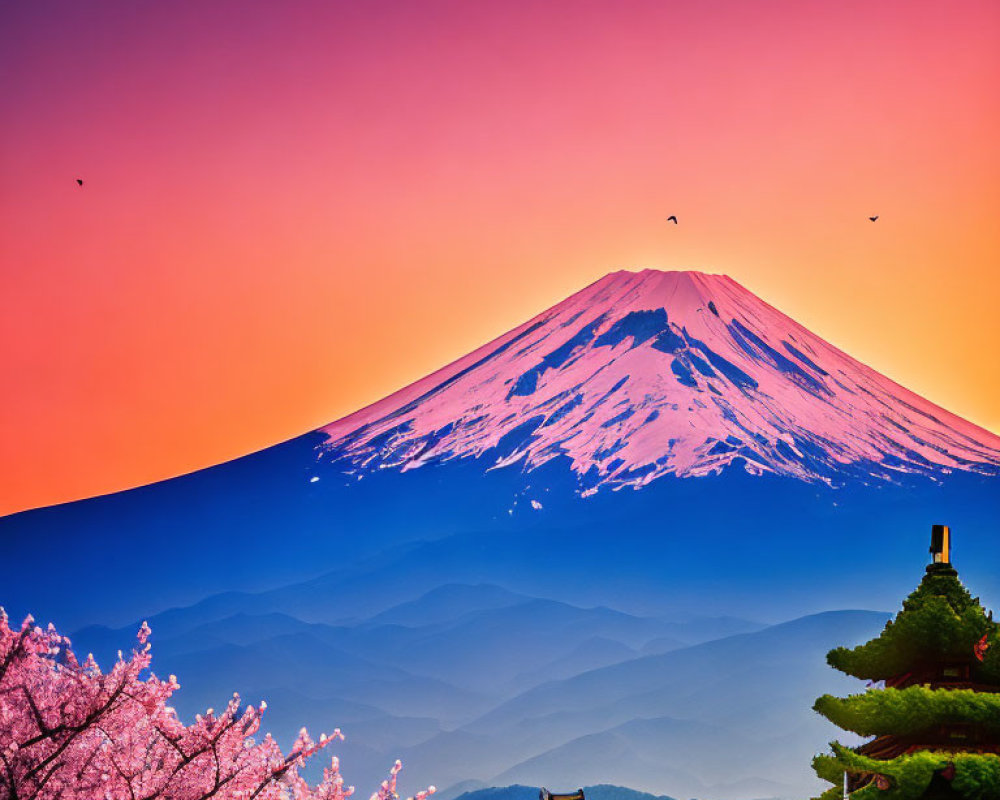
70, 732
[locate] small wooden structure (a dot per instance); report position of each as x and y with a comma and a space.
545, 794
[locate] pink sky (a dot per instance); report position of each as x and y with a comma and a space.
291, 210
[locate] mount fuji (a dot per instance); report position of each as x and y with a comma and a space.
667, 412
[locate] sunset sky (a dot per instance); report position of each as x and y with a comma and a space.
290, 210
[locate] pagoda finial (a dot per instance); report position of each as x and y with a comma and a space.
941, 544
940, 549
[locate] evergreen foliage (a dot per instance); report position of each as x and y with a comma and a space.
977, 777
911, 710
940, 621
940, 624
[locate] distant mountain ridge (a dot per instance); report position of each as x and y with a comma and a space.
518, 792
725, 719
647, 374
469, 623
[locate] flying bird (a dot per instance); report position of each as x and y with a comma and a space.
873, 218
672, 219
79, 181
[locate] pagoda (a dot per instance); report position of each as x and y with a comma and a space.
933, 699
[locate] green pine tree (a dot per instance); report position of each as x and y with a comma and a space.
940, 702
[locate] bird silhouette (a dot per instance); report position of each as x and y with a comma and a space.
79, 181
672, 219
873, 218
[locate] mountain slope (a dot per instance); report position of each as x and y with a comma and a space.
447, 603
658, 752
473, 652
647, 374
730, 718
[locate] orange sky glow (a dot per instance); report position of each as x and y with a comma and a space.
291, 210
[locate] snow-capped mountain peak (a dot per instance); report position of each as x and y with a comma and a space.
645, 374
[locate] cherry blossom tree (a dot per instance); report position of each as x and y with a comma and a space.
70, 732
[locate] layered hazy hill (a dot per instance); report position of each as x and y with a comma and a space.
473, 685
519, 792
